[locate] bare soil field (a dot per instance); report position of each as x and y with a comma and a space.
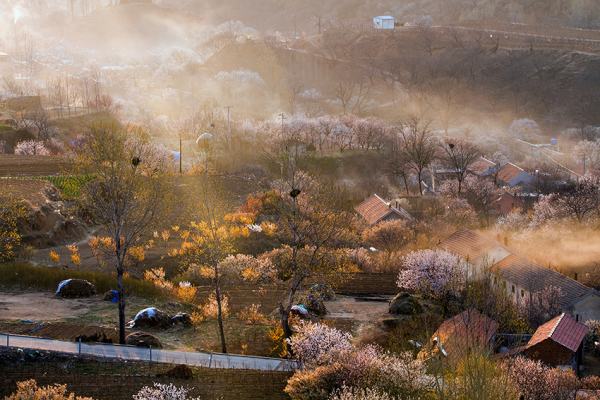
41, 306
19, 165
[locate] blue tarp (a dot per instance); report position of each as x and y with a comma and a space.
115, 298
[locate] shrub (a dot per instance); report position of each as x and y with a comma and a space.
400, 376
251, 315
244, 269
537, 381
28, 390
346, 393
314, 343
162, 392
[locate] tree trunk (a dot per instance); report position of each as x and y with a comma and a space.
219, 313
287, 331
121, 306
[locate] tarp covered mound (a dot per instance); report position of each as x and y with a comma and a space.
181, 319
111, 296
73, 288
151, 318
143, 340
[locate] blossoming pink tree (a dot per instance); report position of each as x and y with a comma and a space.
31, 148
434, 274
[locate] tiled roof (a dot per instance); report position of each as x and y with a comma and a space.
509, 172
534, 278
466, 243
469, 327
563, 329
375, 208
480, 166
506, 203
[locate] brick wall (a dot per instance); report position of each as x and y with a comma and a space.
207, 383
550, 352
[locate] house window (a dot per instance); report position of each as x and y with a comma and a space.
513, 288
522, 293
577, 317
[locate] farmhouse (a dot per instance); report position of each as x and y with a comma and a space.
475, 247
62, 51
375, 209
482, 167
524, 278
511, 175
559, 342
459, 335
506, 203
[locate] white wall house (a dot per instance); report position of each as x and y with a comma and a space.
383, 22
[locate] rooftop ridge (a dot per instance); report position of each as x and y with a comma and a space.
556, 326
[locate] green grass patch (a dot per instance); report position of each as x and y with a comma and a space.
5, 128
69, 186
44, 278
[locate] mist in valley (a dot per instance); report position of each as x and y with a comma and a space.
255, 75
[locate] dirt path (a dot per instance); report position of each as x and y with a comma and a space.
364, 313
41, 306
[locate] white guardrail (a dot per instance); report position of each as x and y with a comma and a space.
124, 352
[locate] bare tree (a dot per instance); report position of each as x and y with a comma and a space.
458, 155
312, 223
418, 144
126, 193
40, 119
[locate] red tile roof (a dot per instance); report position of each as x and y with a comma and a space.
532, 277
480, 166
563, 329
375, 208
466, 243
468, 328
506, 203
509, 172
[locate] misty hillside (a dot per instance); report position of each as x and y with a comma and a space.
134, 27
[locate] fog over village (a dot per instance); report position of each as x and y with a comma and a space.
300, 199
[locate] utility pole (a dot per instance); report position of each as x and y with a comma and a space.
180, 155
282, 115
584, 154
229, 126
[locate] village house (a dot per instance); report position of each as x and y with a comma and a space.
482, 167
559, 342
477, 249
512, 175
520, 276
459, 335
375, 209
524, 278
506, 203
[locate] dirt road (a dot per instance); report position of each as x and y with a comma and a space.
41, 306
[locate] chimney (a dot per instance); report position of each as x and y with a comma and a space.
506, 240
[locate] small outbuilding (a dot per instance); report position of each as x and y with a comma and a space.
559, 342
383, 22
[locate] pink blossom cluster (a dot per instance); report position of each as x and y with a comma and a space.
31, 148
162, 392
537, 381
316, 343
347, 373
433, 273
